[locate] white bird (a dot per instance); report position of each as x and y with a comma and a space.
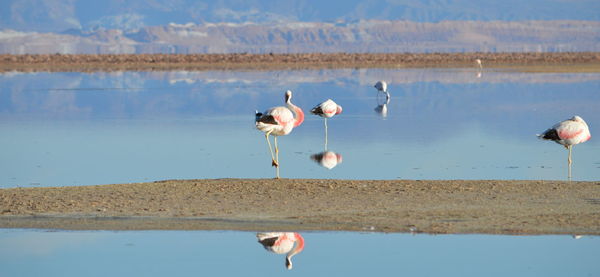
289, 243
478, 61
568, 133
381, 86
326, 110
279, 121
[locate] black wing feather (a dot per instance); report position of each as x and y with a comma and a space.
268, 242
268, 119
550, 134
317, 110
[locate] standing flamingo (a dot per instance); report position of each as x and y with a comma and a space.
478, 61
381, 86
326, 110
279, 121
568, 133
289, 243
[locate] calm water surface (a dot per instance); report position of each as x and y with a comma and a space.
214, 253
98, 128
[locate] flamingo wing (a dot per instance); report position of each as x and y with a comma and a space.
282, 115
266, 118
569, 129
318, 110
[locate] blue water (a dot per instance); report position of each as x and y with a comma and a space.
228, 253
62, 129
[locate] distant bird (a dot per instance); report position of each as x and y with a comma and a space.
381, 86
327, 159
478, 61
279, 121
289, 243
568, 133
326, 110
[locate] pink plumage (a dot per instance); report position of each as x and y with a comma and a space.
279, 121
327, 109
568, 133
289, 243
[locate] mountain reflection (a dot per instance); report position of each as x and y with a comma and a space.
289, 243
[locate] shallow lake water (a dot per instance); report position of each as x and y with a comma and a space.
228, 253
98, 128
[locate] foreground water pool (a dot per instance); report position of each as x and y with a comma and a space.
230, 253
62, 129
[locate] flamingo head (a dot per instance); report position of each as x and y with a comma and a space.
288, 96
577, 118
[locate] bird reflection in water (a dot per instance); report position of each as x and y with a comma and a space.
327, 159
289, 243
382, 108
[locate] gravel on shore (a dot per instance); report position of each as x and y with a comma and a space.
441, 206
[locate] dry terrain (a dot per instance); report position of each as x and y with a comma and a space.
457, 206
572, 62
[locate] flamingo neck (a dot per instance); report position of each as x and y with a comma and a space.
298, 114
298, 247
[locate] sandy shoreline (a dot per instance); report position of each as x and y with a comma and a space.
456, 206
532, 62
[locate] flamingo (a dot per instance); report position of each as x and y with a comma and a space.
568, 133
478, 61
279, 121
326, 110
289, 243
381, 86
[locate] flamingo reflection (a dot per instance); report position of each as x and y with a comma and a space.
327, 159
382, 108
289, 243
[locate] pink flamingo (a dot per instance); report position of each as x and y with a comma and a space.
568, 133
289, 243
326, 110
279, 121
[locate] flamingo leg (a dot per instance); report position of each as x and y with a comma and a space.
326, 134
277, 157
273, 162
570, 161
